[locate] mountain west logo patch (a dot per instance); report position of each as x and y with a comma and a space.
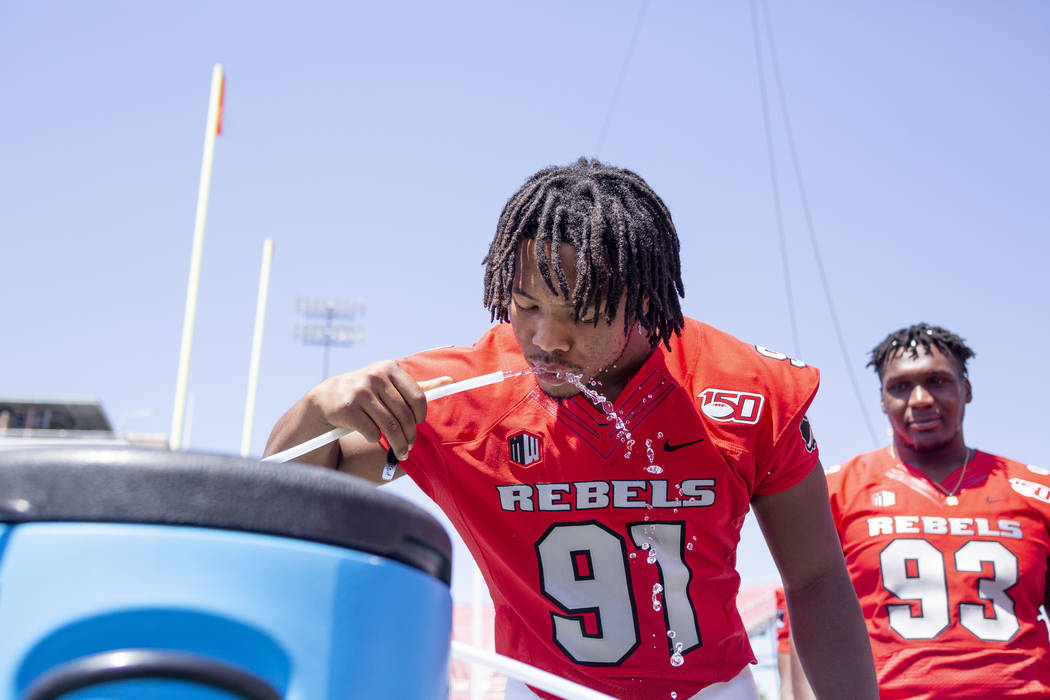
525, 449
808, 438
725, 405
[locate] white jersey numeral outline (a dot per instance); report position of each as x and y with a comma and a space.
927, 584
602, 586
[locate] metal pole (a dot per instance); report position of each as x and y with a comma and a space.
253, 366
210, 132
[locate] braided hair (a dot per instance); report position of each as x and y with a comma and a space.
624, 238
911, 338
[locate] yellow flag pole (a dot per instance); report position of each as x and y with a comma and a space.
253, 365
211, 131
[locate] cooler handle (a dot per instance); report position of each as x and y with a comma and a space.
126, 664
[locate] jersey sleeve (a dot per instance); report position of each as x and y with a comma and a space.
795, 455
754, 402
794, 452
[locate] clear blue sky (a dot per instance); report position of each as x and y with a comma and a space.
377, 142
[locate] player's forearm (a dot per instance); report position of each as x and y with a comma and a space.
832, 642
299, 424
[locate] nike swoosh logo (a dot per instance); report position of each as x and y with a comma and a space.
995, 500
668, 447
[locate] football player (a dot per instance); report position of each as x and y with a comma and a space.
947, 545
602, 492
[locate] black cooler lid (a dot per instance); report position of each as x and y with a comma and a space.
150, 486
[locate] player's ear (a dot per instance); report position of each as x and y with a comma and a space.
969, 390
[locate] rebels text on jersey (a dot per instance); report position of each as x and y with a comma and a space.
950, 592
622, 557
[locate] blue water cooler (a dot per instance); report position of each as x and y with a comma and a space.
131, 574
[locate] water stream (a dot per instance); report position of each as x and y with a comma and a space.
602, 403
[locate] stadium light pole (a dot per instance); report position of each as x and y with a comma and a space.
324, 331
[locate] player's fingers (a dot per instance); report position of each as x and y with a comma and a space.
412, 392
369, 401
396, 417
355, 417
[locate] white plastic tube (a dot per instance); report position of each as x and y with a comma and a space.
465, 385
440, 392
527, 674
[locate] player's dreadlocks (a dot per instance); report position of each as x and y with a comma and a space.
911, 338
624, 238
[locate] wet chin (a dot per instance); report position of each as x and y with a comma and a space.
559, 391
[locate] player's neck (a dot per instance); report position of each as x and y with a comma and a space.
936, 464
618, 375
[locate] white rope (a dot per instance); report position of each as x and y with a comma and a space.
526, 674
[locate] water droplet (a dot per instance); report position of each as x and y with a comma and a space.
675, 510
651, 559
672, 634
674, 695
644, 545
657, 607
676, 659
659, 435
689, 545
653, 469
657, 588
632, 555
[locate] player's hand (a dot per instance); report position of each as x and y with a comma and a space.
380, 399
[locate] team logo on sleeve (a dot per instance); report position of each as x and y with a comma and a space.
725, 405
774, 355
808, 438
525, 449
1030, 489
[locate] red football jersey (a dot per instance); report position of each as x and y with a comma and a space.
616, 571
950, 592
